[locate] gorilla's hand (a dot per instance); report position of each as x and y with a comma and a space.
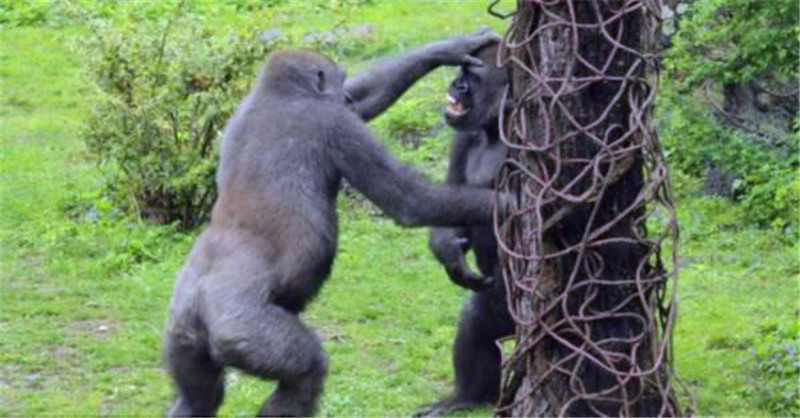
449, 249
456, 51
460, 274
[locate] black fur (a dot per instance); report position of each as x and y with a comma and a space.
475, 159
273, 233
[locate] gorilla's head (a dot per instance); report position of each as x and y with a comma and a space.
474, 96
305, 73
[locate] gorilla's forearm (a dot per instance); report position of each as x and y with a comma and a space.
374, 90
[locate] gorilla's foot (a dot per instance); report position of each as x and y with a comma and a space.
448, 406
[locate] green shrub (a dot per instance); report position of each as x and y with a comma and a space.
736, 43
766, 186
167, 85
733, 41
773, 196
24, 12
61, 12
774, 370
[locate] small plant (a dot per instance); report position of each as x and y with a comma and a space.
167, 86
774, 370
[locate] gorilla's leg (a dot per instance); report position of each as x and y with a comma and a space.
476, 358
199, 379
267, 341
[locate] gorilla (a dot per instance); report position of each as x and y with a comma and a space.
474, 106
273, 233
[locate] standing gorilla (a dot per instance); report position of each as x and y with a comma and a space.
273, 232
474, 102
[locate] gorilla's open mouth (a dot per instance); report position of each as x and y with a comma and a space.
454, 107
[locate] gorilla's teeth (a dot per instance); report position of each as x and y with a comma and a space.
454, 106
456, 109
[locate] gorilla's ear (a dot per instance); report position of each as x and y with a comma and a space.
321, 81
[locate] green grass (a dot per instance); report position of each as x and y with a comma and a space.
83, 298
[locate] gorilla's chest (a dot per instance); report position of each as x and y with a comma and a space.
484, 161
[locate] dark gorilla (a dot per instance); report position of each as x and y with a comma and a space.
273, 232
477, 154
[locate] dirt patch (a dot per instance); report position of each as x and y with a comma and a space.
14, 376
97, 328
331, 333
30, 260
63, 352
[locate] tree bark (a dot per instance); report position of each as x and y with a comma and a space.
585, 292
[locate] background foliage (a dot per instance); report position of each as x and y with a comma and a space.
86, 273
167, 86
730, 104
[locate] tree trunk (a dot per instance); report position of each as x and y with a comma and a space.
585, 283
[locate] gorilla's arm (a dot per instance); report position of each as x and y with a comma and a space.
449, 245
374, 90
399, 191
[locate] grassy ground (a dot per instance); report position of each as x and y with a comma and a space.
83, 300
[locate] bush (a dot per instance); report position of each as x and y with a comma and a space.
23, 12
720, 107
766, 182
167, 85
774, 369
734, 41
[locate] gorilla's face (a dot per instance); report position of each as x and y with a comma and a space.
474, 97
